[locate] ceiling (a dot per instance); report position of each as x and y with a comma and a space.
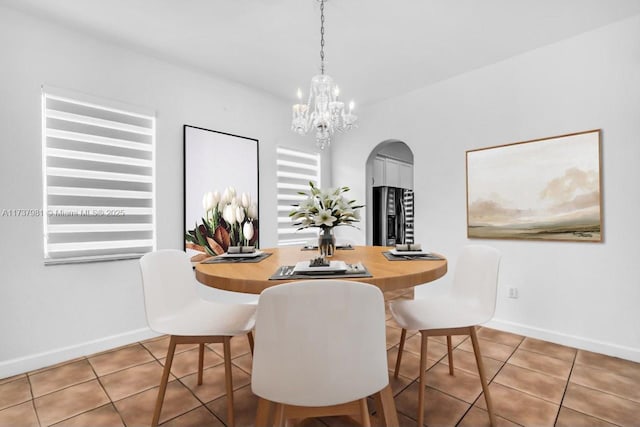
375, 49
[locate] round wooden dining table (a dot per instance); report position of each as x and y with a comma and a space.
387, 275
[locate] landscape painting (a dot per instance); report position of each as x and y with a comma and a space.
546, 189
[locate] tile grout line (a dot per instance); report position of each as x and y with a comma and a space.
204, 404
566, 382
566, 387
492, 380
111, 402
415, 380
605, 392
126, 367
176, 378
33, 400
549, 355
439, 391
573, 365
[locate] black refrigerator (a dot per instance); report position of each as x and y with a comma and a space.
392, 216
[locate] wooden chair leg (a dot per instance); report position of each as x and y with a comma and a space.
403, 336
364, 413
450, 353
200, 362
250, 338
386, 407
483, 377
264, 412
163, 381
422, 383
228, 380
278, 418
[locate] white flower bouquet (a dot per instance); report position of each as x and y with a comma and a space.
325, 209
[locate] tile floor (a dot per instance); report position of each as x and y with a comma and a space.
533, 383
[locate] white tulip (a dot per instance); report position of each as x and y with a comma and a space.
225, 196
229, 214
239, 214
232, 192
247, 230
216, 198
211, 202
253, 211
204, 201
245, 200
221, 205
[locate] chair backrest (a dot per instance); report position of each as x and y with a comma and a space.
475, 279
319, 343
167, 281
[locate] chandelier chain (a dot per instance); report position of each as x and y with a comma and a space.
322, 36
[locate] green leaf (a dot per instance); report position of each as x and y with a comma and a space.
202, 241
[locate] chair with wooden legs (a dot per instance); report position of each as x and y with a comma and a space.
320, 351
470, 301
173, 307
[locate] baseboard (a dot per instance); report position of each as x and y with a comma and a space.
40, 360
610, 349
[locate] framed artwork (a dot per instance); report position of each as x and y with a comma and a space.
544, 189
220, 191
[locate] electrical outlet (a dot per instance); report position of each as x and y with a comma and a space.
513, 293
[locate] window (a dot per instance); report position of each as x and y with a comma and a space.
295, 170
98, 179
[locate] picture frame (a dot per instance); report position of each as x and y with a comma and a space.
542, 189
215, 161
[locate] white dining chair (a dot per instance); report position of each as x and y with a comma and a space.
319, 351
173, 307
470, 301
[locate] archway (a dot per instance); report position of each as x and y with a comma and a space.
390, 164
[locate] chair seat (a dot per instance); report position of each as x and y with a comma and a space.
201, 317
442, 312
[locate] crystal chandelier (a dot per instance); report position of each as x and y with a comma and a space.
323, 111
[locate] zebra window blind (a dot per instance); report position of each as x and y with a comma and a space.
295, 170
408, 219
98, 179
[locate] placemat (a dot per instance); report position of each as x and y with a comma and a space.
338, 248
223, 260
285, 272
422, 257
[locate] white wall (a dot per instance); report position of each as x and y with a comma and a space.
49, 314
580, 294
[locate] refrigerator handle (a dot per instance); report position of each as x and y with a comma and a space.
402, 220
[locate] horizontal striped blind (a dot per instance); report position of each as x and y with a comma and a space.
98, 181
295, 170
